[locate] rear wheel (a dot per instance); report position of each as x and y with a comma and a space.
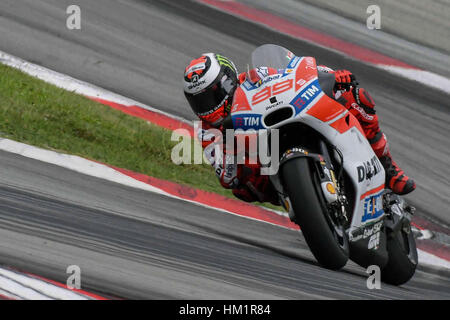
326, 240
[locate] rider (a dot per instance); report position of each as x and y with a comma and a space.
209, 86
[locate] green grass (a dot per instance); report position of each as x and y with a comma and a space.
40, 114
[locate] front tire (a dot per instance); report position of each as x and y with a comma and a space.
402, 262
298, 181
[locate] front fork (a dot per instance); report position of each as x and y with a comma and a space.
398, 212
329, 185
398, 224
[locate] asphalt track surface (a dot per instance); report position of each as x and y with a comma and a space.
136, 244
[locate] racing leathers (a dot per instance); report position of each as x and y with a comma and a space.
246, 180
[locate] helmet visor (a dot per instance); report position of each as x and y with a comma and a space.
212, 98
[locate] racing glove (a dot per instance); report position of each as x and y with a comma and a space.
228, 175
227, 171
344, 80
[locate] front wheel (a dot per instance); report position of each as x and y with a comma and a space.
402, 263
298, 181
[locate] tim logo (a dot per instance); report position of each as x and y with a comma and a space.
310, 93
247, 122
373, 207
306, 96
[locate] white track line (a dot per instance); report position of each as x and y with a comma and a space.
18, 289
75, 163
431, 259
425, 77
35, 289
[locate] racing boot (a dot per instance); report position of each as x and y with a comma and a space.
396, 179
359, 102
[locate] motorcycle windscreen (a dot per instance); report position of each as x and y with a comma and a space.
271, 56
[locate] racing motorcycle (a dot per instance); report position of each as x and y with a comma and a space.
328, 179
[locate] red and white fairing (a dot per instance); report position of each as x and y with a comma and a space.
296, 89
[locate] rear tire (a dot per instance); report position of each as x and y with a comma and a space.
402, 258
298, 182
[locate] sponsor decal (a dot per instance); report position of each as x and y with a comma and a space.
223, 61
299, 103
268, 79
374, 242
362, 112
294, 62
215, 108
195, 78
366, 232
289, 153
369, 169
276, 104
196, 68
286, 205
300, 150
262, 72
310, 63
196, 85
249, 86
195, 82
310, 93
306, 96
247, 121
331, 189
373, 207
301, 82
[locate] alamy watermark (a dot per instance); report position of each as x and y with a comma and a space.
74, 280
374, 19
73, 21
238, 146
374, 279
